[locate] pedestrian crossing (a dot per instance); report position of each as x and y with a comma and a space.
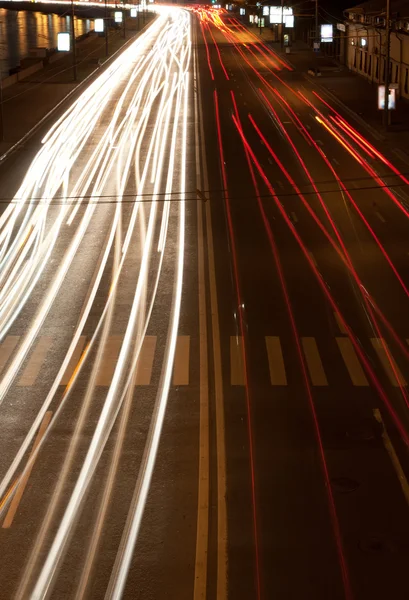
316, 357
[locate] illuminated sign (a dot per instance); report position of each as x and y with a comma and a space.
391, 98
279, 14
251, 18
289, 21
327, 33
134, 12
266, 10
118, 16
99, 25
63, 41
242, 11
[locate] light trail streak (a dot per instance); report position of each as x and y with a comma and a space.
161, 83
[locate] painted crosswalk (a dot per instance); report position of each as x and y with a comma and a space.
318, 357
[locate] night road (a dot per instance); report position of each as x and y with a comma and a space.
204, 328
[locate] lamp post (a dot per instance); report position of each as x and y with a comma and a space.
74, 49
106, 28
317, 39
386, 114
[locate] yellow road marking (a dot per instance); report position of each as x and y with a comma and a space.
109, 360
181, 361
23, 481
379, 345
145, 361
35, 361
275, 361
351, 361
313, 360
7, 348
76, 355
340, 323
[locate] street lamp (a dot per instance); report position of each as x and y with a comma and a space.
387, 59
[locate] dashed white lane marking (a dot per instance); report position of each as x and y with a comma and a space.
294, 217
380, 217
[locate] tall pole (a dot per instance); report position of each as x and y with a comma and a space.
74, 49
386, 114
1, 111
282, 24
123, 17
106, 28
317, 40
259, 18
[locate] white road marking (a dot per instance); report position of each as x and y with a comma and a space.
236, 361
145, 361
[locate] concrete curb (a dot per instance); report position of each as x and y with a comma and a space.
77, 88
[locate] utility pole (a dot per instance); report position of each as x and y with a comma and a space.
124, 16
1, 111
282, 24
106, 28
74, 48
386, 114
317, 40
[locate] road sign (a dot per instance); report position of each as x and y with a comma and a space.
341, 27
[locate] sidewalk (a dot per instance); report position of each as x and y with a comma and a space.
355, 92
27, 102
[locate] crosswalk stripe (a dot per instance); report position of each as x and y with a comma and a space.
109, 360
6, 349
145, 361
379, 345
181, 362
76, 355
340, 323
236, 361
351, 361
275, 361
36, 361
314, 363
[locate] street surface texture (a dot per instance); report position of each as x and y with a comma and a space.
203, 336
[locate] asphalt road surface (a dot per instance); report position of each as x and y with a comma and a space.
203, 327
